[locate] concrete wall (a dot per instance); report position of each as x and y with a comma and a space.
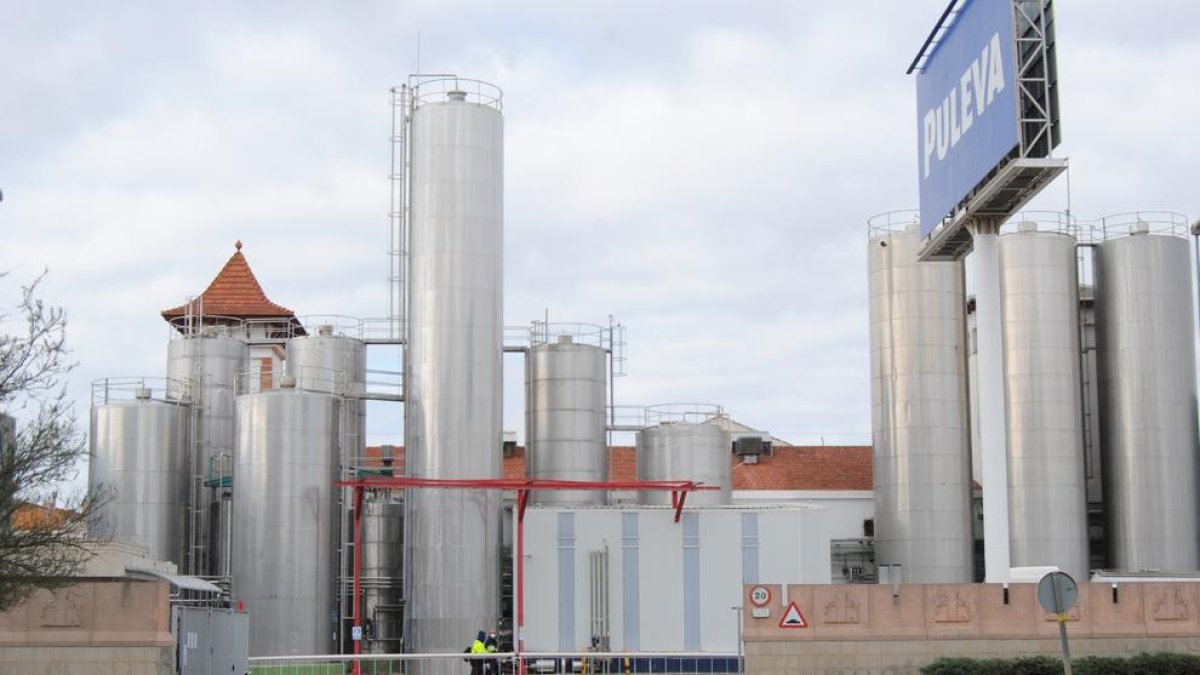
863, 629
100, 627
847, 508
667, 591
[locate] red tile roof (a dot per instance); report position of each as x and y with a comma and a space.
822, 467
234, 292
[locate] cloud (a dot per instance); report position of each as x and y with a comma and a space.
701, 171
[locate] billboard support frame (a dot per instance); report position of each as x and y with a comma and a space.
1029, 167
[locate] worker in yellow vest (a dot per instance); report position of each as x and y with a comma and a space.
477, 647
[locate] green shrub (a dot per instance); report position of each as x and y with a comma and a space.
1100, 665
954, 666
1037, 665
1162, 663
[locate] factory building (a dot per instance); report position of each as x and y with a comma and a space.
245, 464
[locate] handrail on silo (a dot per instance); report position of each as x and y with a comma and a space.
436, 88
208, 325
892, 222
138, 388
1142, 222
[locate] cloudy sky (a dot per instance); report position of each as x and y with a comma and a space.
700, 170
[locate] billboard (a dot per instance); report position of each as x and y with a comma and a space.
966, 106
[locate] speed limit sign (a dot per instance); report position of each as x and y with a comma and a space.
760, 596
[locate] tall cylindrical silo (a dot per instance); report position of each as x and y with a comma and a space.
138, 457
1147, 391
452, 423
919, 412
283, 515
1047, 503
205, 368
686, 451
565, 418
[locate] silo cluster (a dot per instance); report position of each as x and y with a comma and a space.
234, 481
1144, 427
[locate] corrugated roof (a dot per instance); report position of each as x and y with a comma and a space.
823, 467
234, 292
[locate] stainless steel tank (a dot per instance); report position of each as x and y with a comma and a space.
452, 423
919, 411
205, 368
1047, 503
336, 364
1147, 385
383, 543
330, 363
565, 399
138, 451
686, 451
283, 513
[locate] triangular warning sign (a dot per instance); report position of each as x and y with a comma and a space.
792, 618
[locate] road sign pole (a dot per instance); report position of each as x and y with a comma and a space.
1062, 622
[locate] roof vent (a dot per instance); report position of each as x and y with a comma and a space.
142, 393
751, 446
456, 95
565, 340
1027, 226
287, 382
325, 329
1140, 227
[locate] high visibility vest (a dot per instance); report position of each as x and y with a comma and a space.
478, 648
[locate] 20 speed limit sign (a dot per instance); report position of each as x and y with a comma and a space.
760, 596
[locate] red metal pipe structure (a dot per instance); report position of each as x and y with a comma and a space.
678, 488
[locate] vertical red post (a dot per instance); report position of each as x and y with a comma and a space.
358, 502
522, 499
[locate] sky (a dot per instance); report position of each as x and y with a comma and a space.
701, 171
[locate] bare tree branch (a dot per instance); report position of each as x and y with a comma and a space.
42, 542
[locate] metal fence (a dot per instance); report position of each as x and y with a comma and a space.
499, 664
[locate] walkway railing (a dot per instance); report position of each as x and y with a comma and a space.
680, 663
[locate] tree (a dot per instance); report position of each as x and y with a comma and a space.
40, 546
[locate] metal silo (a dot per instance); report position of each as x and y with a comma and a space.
565, 417
283, 516
383, 544
335, 364
452, 391
138, 456
1147, 386
685, 451
919, 408
205, 368
1039, 285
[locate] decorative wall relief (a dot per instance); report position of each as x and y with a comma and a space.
842, 609
951, 607
65, 609
1170, 605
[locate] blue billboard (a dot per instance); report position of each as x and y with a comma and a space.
966, 106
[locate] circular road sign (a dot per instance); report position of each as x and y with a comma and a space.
1057, 592
760, 596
